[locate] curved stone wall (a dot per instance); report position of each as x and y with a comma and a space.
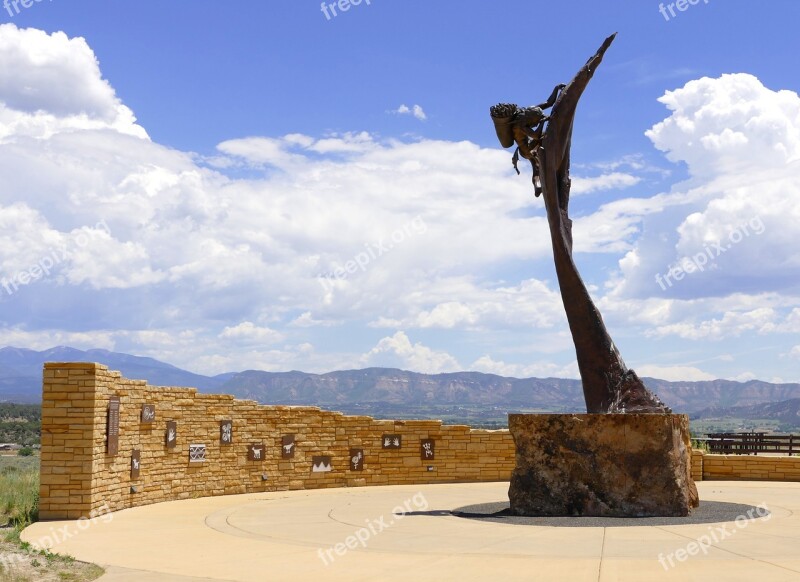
243, 446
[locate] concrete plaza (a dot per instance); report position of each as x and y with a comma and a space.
408, 533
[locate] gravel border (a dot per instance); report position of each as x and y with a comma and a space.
708, 512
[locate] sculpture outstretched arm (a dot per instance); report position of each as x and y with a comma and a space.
552, 99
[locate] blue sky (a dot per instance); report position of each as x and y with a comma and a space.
200, 173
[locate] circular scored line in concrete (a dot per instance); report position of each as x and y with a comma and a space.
302, 535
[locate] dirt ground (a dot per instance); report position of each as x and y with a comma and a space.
17, 565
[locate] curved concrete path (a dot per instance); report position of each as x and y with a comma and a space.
293, 536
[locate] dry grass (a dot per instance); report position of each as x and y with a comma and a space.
19, 501
19, 490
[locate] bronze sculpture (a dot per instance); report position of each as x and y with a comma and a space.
523, 126
608, 385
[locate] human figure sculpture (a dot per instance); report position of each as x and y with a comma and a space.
523, 126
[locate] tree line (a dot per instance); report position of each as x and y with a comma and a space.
20, 423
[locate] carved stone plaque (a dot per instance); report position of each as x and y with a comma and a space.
321, 464
255, 452
112, 426
197, 453
287, 446
225, 432
171, 436
427, 449
391, 441
136, 463
356, 459
148, 413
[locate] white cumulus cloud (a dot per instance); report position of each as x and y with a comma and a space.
612, 181
398, 351
205, 261
538, 370
415, 110
34, 63
674, 373
247, 331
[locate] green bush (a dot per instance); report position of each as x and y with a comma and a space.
25, 452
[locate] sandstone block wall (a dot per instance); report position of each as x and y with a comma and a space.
751, 468
697, 465
78, 476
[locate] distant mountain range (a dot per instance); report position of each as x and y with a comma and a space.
786, 412
400, 387
21, 372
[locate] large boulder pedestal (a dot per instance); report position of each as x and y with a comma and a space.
602, 465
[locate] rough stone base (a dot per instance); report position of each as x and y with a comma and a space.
602, 465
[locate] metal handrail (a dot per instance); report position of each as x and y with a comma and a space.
751, 443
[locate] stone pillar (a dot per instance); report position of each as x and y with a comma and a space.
607, 465
72, 431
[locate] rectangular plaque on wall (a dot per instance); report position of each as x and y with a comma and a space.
427, 449
226, 432
287, 446
136, 462
321, 464
255, 452
197, 453
391, 441
356, 459
148, 413
112, 426
171, 436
